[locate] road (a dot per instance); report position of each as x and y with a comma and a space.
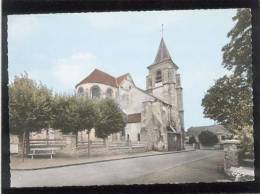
195, 166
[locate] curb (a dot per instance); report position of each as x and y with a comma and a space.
98, 161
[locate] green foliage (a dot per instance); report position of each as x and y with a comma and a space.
229, 102
110, 119
192, 140
247, 143
65, 113
30, 105
237, 54
74, 113
208, 138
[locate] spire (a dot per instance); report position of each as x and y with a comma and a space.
162, 53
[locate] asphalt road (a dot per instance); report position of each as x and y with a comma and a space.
195, 166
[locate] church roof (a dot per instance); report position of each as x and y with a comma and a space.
98, 76
162, 53
121, 78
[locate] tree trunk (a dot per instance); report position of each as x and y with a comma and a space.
76, 139
106, 142
89, 144
26, 143
20, 144
23, 144
47, 136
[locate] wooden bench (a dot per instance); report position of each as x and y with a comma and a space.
43, 152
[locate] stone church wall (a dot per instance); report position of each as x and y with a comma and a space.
131, 101
133, 129
103, 89
154, 125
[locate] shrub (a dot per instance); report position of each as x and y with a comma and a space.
192, 140
208, 138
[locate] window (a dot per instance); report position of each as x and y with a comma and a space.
95, 92
109, 93
138, 137
80, 91
158, 77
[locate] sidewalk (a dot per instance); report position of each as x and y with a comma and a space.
39, 163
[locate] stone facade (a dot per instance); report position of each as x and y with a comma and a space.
155, 115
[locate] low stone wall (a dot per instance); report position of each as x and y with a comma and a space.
103, 151
100, 149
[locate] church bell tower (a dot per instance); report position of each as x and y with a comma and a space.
164, 82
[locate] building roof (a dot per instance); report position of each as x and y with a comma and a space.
98, 76
162, 55
134, 118
121, 78
216, 129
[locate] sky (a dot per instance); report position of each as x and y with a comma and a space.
61, 49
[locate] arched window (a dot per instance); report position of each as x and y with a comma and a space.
158, 77
80, 91
109, 93
95, 92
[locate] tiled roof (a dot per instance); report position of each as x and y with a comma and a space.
121, 78
98, 76
134, 118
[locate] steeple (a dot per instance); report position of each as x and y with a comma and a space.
162, 53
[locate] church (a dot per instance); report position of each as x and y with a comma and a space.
154, 115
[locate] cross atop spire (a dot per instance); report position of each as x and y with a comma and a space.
162, 30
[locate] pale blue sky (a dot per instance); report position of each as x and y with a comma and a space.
61, 49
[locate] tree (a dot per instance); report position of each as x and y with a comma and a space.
229, 101
237, 54
192, 140
29, 108
110, 119
74, 114
65, 113
208, 138
87, 116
